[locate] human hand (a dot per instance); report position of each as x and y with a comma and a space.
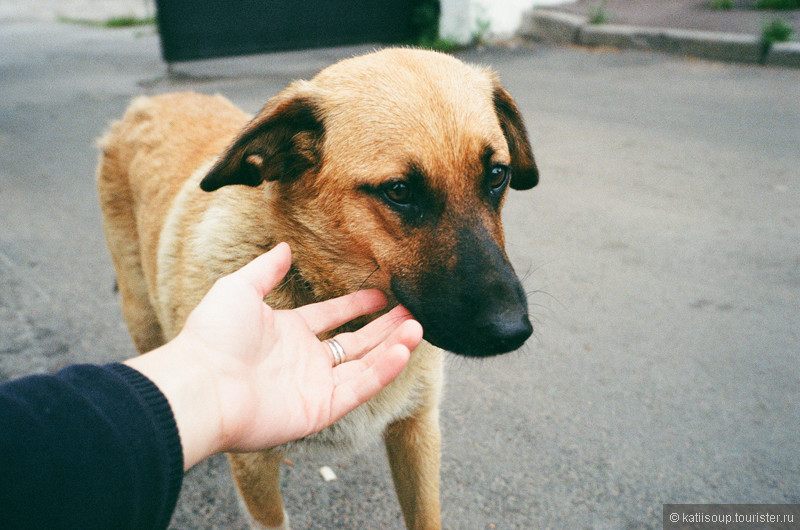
241, 376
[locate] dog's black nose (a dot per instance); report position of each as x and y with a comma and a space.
505, 332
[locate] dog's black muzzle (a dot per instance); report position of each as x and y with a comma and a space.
472, 303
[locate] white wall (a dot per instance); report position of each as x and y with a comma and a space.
460, 19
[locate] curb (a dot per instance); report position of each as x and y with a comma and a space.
557, 27
784, 54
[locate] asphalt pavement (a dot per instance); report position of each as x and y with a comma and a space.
661, 253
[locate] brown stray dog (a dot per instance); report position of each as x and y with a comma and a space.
386, 171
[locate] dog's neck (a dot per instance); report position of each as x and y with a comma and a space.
295, 291
299, 289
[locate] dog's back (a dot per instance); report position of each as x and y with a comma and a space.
145, 159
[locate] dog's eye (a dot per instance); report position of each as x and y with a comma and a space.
498, 176
398, 192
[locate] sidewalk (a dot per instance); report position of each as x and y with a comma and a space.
685, 14
679, 27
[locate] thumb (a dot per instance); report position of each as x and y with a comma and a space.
267, 270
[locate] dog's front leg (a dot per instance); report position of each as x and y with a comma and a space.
257, 477
413, 445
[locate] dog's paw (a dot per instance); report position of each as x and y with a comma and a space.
255, 525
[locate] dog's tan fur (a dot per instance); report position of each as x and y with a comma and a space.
170, 240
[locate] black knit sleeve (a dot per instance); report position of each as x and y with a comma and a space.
88, 447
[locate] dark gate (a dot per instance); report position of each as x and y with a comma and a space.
213, 28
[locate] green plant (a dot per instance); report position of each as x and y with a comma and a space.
598, 14
722, 5
778, 4
482, 26
774, 31
426, 28
113, 22
128, 22
439, 45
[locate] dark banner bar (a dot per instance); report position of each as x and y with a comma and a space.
216, 28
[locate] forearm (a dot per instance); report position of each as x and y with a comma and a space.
88, 447
192, 394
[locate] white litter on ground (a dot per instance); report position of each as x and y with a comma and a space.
327, 473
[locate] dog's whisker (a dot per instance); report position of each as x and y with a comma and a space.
548, 295
377, 268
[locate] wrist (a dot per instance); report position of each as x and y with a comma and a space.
191, 392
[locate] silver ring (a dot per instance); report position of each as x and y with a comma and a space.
337, 351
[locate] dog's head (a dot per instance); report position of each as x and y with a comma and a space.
390, 171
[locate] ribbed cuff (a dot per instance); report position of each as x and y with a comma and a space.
164, 423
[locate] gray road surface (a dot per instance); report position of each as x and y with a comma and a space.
661, 253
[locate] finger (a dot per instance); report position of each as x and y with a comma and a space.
366, 383
356, 344
408, 335
267, 270
361, 380
330, 314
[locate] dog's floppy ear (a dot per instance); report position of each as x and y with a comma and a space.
281, 143
524, 174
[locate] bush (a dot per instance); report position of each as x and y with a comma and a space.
775, 31
598, 14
